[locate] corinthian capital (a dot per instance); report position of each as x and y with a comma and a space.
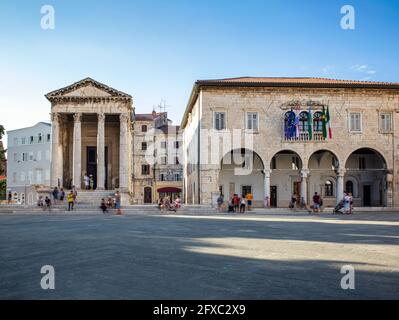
55, 117
123, 117
101, 117
77, 117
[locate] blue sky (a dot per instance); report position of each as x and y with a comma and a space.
156, 49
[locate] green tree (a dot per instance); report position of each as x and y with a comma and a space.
3, 189
2, 151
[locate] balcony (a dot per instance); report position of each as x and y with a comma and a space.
317, 136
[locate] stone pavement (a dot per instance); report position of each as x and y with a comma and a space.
199, 256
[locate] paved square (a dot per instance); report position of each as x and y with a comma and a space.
274, 256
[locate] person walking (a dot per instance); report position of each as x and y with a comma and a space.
55, 195
220, 201
242, 204
347, 203
316, 203
118, 203
86, 180
9, 197
236, 202
249, 197
91, 181
70, 200
103, 206
75, 194
62, 195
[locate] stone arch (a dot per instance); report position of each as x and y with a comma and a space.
330, 150
370, 168
148, 195
242, 171
377, 151
286, 150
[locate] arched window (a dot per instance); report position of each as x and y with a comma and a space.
349, 187
289, 121
317, 122
328, 189
303, 121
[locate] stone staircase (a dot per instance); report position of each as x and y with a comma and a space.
93, 197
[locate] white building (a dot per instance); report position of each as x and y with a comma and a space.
28, 161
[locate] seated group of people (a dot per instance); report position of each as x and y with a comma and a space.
236, 203
166, 203
107, 203
46, 203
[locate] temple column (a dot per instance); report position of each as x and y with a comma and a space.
101, 152
123, 153
340, 185
77, 151
56, 152
304, 186
266, 188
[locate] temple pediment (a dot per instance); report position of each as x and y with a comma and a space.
86, 89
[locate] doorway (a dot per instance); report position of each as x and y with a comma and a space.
91, 164
273, 196
147, 195
367, 196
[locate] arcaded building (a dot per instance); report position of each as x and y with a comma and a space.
276, 137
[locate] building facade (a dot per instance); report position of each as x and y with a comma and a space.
29, 155
92, 134
157, 171
238, 138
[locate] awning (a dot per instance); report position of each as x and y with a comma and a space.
169, 189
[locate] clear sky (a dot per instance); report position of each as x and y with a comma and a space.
156, 49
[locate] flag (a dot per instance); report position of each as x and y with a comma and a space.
290, 128
310, 122
329, 123
323, 123
296, 124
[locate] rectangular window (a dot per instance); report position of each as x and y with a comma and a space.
144, 146
23, 140
24, 156
15, 141
144, 128
31, 139
39, 138
39, 155
48, 137
145, 169
31, 156
22, 177
386, 122
355, 123
295, 163
252, 121
362, 163
162, 177
274, 164
38, 176
177, 177
163, 160
163, 144
246, 189
47, 154
177, 145
177, 160
220, 120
